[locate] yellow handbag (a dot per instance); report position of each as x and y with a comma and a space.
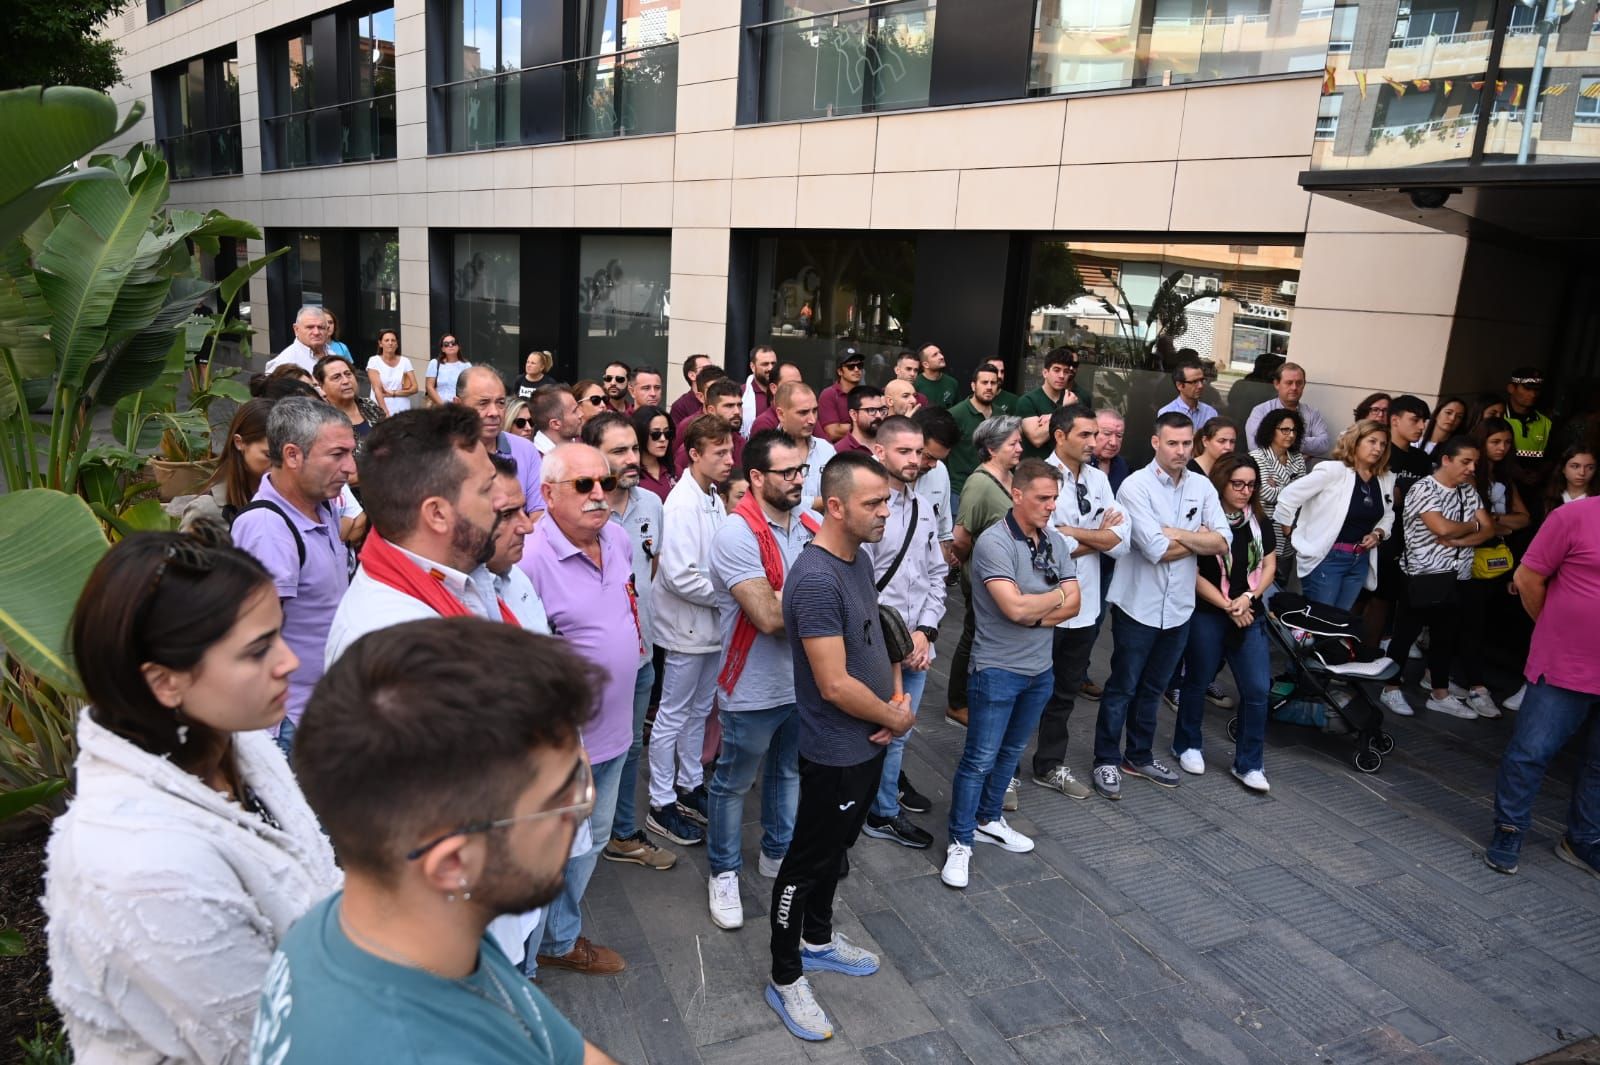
1491, 560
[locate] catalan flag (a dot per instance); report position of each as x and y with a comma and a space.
1516, 97
1592, 92
1399, 87
1554, 90
1449, 86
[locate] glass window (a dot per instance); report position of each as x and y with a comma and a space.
368, 124
627, 79
486, 297
819, 295
624, 301
1587, 106
377, 304
197, 115
333, 108
822, 57
354, 273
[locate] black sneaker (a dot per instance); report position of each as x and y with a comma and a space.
669, 822
695, 805
897, 829
912, 799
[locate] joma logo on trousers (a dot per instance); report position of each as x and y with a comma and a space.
783, 906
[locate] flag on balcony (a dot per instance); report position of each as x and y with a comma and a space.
1449, 86
1516, 97
1554, 90
1399, 87
1477, 85
1591, 92
1330, 84
1423, 85
1361, 83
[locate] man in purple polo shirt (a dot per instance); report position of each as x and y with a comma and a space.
581, 563
480, 389
292, 528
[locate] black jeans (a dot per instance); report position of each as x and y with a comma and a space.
1070, 660
961, 662
833, 806
1443, 623
1483, 607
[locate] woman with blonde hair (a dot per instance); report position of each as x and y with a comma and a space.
1336, 515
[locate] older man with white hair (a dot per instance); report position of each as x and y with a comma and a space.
310, 342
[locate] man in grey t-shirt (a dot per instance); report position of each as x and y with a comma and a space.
1023, 584
849, 711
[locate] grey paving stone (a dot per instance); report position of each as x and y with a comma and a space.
1086, 998
1025, 1008
868, 1010
1309, 908
935, 1048
1464, 882
1198, 1030
1378, 1046
1114, 959
1449, 1051
715, 984
899, 947
1471, 1017
1413, 1027
1569, 935
1006, 916
1067, 1044
1223, 853
965, 1023
968, 946
774, 1046
597, 1006
656, 1017
1551, 996
1439, 918
1087, 877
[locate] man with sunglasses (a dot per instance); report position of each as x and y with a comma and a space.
481, 390
614, 379
1086, 514
450, 787
581, 563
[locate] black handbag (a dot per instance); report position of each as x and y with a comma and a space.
1427, 590
896, 633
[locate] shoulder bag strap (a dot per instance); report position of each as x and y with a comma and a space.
911, 534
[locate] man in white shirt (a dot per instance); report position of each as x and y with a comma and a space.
757, 388
310, 341
687, 627
910, 570
940, 434
556, 417
1290, 382
1172, 516
1086, 514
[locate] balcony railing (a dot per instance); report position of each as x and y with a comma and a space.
865, 57
366, 131
619, 94
203, 153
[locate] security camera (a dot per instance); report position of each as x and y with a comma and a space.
1430, 199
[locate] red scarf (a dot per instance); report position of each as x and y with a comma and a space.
744, 630
386, 564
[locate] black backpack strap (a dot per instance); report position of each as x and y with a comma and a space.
267, 504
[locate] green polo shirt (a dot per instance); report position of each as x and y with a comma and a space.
964, 456
941, 393
1031, 405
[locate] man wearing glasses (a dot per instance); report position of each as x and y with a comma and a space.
481, 390
868, 409
615, 382
1023, 584
1086, 514
450, 787
1189, 378
310, 341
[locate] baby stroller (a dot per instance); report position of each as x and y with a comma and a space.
1326, 678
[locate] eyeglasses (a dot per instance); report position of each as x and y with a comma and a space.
582, 785
610, 377
1194, 380
584, 485
1242, 486
661, 434
598, 401
791, 473
521, 423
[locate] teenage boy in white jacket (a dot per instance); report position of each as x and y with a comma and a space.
687, 628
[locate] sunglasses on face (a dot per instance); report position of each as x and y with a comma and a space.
1083, 497
449, 344
609, 377
584, 485
598, 401
521, 423
660, 434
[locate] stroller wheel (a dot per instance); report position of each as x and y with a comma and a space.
1368, 760
1233, 728
1383, 743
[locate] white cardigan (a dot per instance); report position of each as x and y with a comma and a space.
166, 901
686, 603
1316, 505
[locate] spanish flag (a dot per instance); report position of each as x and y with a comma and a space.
1516, 97
1399, 87
1423, 85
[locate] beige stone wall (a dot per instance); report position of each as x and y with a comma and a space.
1218, 160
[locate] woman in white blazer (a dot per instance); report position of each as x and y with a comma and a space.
1337, 514
188, 850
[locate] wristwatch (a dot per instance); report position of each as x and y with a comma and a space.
930, 632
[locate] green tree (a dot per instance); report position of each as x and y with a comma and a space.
57, 42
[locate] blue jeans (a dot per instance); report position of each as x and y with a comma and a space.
1548, 719
887, 802
1003, 712
1213, 638
563, 919
768, 740
1142, 661
626, 823
1337, 580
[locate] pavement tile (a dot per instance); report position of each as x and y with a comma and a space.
900, 948
935, 1048
1025, 1008
1112, 957
1067, 1044
967, 1025
955, 932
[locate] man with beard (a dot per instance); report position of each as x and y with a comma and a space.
796, 405
450, 787
582, 565
833, 406
868, 408
933, 382
614, 380
480, 389
750, 554
638, 511
722, 399
511, 529
903, 398
757, 396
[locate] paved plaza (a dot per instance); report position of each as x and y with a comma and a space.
1345, 919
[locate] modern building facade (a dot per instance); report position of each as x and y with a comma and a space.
649, 179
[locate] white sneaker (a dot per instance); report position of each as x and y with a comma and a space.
797, 1007
768, 867
1394, 701
727, 910
1452, 706
1009, 803
1003, 835
1416, 650
1426, 683
1192, 761
957, 861
1515, 702
1255, 780
1481, 701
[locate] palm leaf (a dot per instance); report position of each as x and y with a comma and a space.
49, 543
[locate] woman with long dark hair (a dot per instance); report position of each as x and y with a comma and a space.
445, 370
656, 439
1487, 598
1572, 479
244, 460
1449, 418
1279, 463
189, 850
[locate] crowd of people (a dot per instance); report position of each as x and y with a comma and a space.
748, 585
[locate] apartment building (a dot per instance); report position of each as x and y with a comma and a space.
649, 179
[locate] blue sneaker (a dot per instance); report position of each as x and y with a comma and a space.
797, 1008
1501, 854
1577, 855
670, 823
839, 955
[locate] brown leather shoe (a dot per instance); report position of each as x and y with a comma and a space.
1091, 690
586, 957
956, 717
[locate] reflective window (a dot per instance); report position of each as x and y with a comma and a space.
624, 301
823, 57
319, 110
354, 273
197, 115
485, 296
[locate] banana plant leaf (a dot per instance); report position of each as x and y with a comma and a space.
42, 132
49, 544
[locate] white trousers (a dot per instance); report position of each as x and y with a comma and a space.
688, 686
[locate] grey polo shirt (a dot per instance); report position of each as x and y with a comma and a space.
1002, 553
768, 676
